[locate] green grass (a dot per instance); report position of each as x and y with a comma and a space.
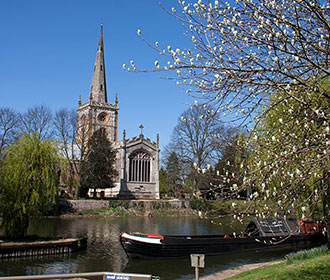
307, 254
303, 265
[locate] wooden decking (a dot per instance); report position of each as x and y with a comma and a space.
41, 248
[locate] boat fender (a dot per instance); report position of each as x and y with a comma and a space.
226, 236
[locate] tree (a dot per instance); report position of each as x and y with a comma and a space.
243, 51
249, 57
173, 173
226, 175
290, 159
196, 140
98, 168
9, 127
65, 128
38, 119
28, 182
163, 187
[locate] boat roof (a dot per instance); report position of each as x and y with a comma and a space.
272, 227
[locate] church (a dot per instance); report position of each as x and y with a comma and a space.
137, 159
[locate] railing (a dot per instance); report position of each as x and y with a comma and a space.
104, 275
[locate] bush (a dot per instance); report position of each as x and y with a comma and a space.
119, 203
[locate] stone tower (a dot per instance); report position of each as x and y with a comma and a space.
97, 113
137, 159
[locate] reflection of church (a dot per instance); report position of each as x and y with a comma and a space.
137, 159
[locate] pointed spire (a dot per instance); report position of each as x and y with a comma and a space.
116, 100
98, 91
79, 101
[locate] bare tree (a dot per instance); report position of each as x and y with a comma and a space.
65, 128
73, 136
38, 119
195, 140
9, 127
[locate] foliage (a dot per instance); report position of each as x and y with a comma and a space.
29, 178
290, 160
163, 188
172, 174
265, 63
98, 170
119, 203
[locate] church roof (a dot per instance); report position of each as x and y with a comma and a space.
98, 91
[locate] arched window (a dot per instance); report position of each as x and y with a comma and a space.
104, 131
139, 167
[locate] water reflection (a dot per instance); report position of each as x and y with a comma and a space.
104, 252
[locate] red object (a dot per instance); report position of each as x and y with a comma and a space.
154, 235
226, 236
310, 226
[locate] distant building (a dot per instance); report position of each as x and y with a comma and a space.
137, 159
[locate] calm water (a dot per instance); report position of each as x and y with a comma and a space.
104, 252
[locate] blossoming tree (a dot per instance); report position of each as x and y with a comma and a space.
265, 64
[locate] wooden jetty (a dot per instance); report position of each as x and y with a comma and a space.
41, 248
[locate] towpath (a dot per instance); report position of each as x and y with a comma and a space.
221, 275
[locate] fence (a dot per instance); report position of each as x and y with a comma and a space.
104, 275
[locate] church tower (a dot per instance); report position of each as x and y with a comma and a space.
137, 159
97, 113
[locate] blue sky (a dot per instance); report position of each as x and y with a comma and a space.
48, 49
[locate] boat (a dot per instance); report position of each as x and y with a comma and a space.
259, 234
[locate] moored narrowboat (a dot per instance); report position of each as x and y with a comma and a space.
259, 234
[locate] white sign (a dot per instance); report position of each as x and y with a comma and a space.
197, 260
116, 277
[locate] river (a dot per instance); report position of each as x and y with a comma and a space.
104, 251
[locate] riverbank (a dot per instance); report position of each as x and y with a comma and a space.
126, 208
150, 208
305, 264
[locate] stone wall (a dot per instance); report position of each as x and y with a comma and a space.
72, 206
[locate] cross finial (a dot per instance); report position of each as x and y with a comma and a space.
141, 127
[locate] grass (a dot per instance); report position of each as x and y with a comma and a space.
136, 211
303, 265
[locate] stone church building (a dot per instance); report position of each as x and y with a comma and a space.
137, 159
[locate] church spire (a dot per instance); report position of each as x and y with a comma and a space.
98, 91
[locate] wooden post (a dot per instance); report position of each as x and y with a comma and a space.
197, 261
196, 273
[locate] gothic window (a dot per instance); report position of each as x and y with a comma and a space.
101, 87
139, 167
101, 68
104, 131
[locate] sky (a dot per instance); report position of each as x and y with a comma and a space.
48, 49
